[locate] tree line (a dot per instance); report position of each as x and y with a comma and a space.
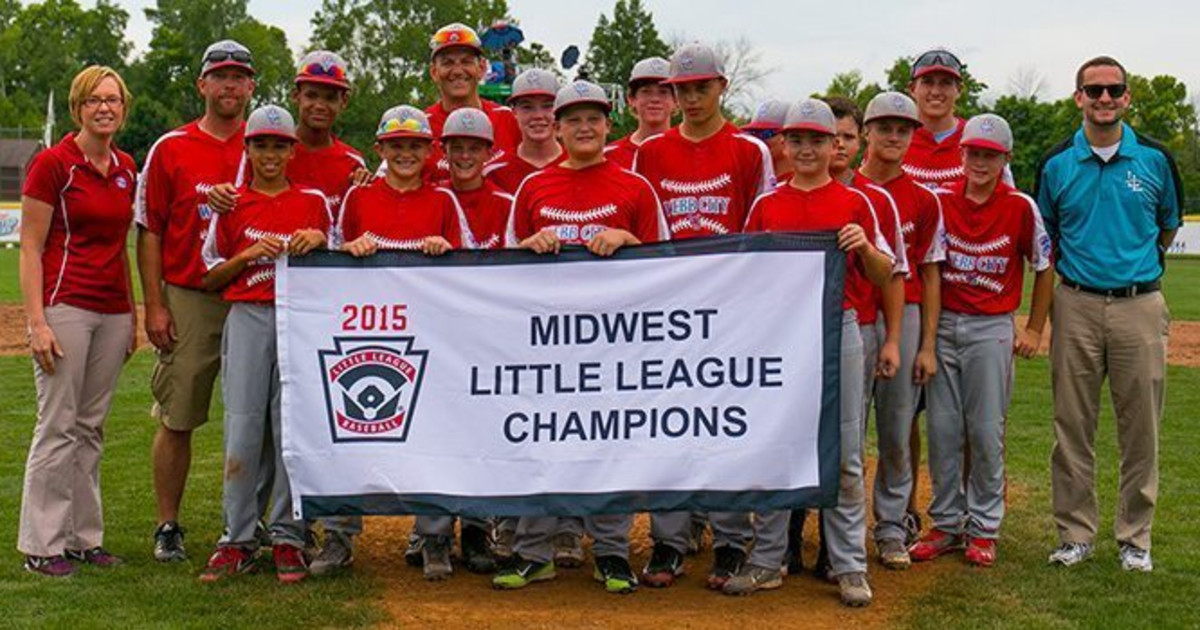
43, 45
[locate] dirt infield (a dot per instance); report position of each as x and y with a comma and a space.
574, 600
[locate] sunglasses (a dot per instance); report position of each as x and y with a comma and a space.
1115, 90
217, 56
938, 58
763, 134
318, 70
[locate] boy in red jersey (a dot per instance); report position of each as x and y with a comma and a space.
184, 322
933, 159
891, 119
401, 210
532, 100
652, 103
271, 218
813, 201
991, 229
707, 173
467, 138
587, 201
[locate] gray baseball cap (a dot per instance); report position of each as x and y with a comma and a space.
404, 121
271, 120
581, 92
650, 70
225, 54
811, 115
769, 115
534, 82
468, 122
324, 67
892, 105
695, 62
988, 131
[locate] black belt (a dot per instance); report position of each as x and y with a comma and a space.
1123, 292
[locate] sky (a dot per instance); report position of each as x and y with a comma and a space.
805, 43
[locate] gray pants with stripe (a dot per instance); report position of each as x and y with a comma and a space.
845, 524
609, 532
895, 403
872, 339
251, 389
968, 403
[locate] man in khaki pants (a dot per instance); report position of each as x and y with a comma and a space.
1112, 201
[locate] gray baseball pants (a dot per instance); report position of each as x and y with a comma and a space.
895, 403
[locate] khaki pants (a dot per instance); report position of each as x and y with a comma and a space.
1124, 339
60, 507
182, 382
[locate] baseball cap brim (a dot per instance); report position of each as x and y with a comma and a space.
983, 143
404, 133
920, 72
909, 119
441, 49
692, 78
513, 98
228, 63
605, 105
762, 125
345, 85
808, 127
270, 133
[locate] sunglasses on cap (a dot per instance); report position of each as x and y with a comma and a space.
763, 134
1115, 90
942, 58
317, 70
217, 56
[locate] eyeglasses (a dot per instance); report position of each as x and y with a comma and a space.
763, 134
938, 58
1115, 90
112, 102
318, 70
217, 56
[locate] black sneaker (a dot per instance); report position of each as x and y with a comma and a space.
664, 566
476, 554
616, 574
168, 543
727, 562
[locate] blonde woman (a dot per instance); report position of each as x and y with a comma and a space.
76, 207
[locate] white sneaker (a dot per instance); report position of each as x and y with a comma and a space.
1135, 558
1071, 554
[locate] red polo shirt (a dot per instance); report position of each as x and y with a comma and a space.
508, 173
401, 219
487, 210
622, 151
327, 169
83, 263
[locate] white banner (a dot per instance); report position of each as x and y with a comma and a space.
10, 225
698, 376
1187, 240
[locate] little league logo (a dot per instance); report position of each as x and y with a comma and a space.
371, 387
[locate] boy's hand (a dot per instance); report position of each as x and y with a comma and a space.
361, 246
1027, 343
889, 360
544, 242
222, 198
924, 367
852, 238
361, 177
268, 248
435, 246
304, 241
609, 241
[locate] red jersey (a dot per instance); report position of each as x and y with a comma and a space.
83, 260
920, 215
504, 129
932, 163
579, 204
172, 199
986, 246
327, 169
826, 209
486, 210
402, 219
255, 217
507, 174
888, 221
622, 151
706, 187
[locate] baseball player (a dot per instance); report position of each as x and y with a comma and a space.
652, 103
707, 173
991, 229
933, 159
589, 201
457, 65
271, 218
766, 125
532, 101
814, 201
401, 210
182, 321
890, 120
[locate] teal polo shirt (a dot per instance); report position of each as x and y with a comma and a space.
1104, 218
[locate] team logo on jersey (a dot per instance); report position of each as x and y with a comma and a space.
122, 183
371, 387
1133, 182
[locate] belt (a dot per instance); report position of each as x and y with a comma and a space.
1123, 292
